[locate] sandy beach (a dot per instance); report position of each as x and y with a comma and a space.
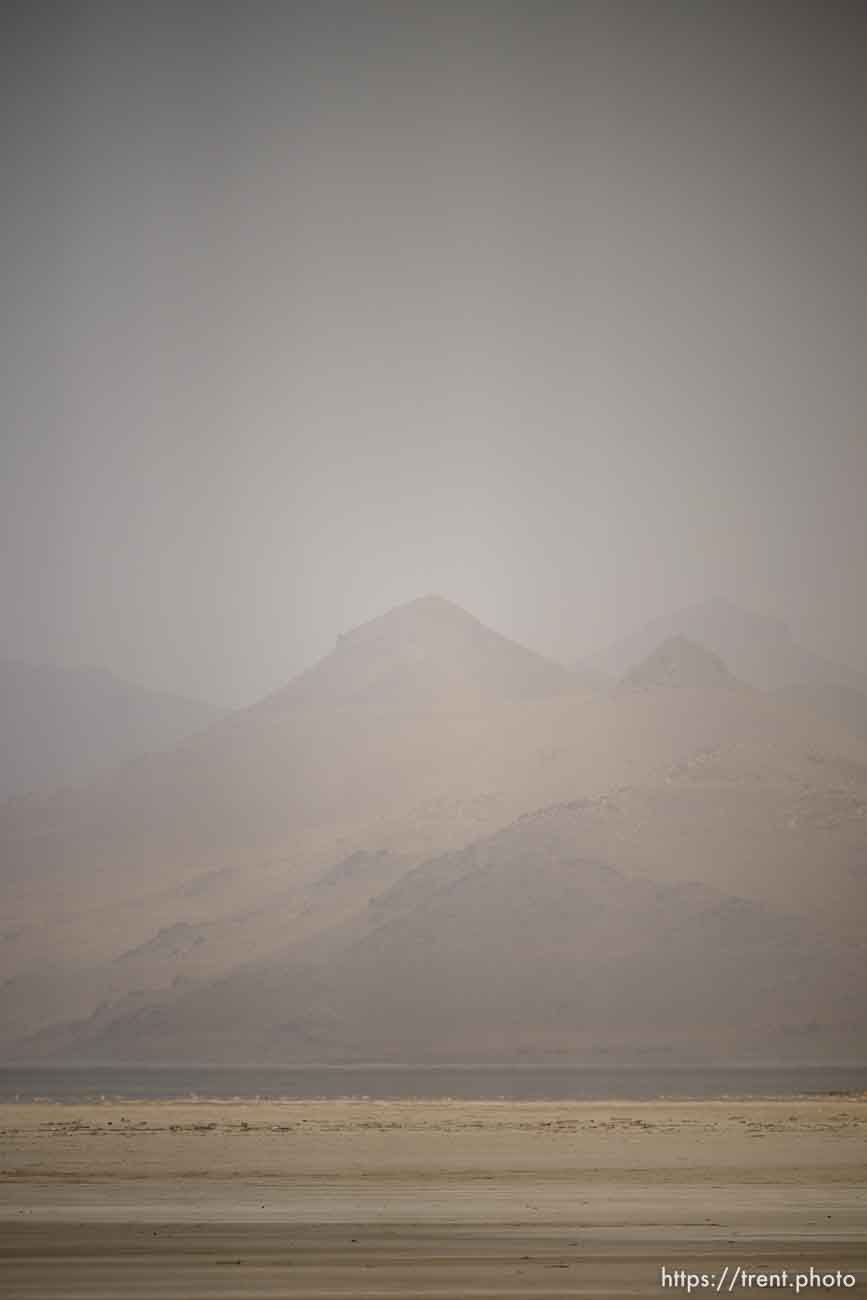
423, 1199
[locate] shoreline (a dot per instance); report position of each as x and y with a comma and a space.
520, 1083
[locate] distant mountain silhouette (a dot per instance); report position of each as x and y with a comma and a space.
755, 648
679, 662
427, 654
63, 726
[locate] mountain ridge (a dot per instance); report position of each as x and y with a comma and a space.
292, 827
529, 950
758, 649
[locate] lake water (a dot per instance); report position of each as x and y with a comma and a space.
465, 1082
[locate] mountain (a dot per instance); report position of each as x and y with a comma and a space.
63, 726
423, 656
755, 648
518, 946
679, 662
260, 842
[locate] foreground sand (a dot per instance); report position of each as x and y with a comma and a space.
340, 1199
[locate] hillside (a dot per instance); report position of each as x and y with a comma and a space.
843, 705
518, 947
679, 662
65, 726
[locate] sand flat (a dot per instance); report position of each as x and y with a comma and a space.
413, 1262
365, 1198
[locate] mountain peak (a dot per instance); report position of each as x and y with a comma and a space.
679, 661
423, 615
758, 649
426, 654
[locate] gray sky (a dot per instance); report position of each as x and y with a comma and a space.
555, 308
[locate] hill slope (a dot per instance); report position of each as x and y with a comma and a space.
517, 947
64, 726
680, 662
843, 705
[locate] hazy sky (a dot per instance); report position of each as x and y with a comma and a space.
555, 308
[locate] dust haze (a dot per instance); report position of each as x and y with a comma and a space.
434, 553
